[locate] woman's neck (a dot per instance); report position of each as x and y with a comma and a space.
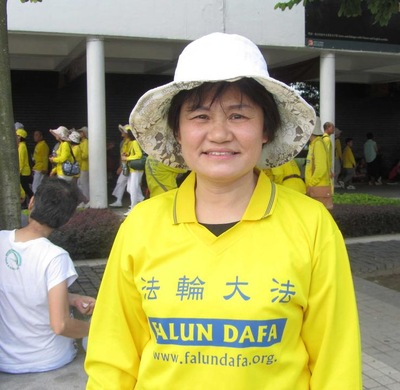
218, 203
32, 231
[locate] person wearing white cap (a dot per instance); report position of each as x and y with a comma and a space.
122, 180
229, 281
74, 139
63, 152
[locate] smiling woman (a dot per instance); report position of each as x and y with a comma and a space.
241, 285
222, 136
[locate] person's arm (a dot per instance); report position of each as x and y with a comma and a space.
135, 152
330, 328
65, 154
119, 328
59, 310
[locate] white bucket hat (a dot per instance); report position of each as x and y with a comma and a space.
84, 130
75, 137
61, 132
124, 129
212, 58
318, 127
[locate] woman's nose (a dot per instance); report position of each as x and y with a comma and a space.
220, 131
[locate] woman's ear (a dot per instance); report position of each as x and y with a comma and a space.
265, 139
178, 136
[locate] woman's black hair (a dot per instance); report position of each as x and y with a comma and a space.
130, 135
55, 202
247, 87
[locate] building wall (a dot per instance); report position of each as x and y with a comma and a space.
161, 19
368, 108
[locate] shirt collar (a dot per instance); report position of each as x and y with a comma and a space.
261, 204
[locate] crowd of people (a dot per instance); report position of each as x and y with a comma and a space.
71, 145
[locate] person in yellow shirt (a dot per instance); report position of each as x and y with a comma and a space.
349, 165
83, 181
135, 175
40, 159
329, 129
338, 157
288, 175
74, 139
24, 165
63, 152
122, 180
161, 178
229, 281
317, 172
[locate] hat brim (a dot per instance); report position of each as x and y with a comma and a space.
56, 133
122, 129
148, 121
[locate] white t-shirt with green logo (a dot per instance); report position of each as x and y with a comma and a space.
28, 270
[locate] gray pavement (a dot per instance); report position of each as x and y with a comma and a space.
379, 312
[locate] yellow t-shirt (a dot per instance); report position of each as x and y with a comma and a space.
269, 304
41, 156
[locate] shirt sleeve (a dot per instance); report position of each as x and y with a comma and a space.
331, 329
65, 153
59, 269
119, 328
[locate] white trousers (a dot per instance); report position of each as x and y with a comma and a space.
119, 189
134, 188
37, 179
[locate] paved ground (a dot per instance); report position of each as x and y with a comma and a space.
379, 311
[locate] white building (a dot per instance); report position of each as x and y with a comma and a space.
145, 37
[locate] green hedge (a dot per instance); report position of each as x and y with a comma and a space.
90, 233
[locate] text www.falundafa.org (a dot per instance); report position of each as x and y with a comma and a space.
225, 359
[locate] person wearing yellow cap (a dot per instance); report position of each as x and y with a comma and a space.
63, 152
24, 165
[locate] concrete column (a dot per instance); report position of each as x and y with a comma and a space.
327, 93
96, 122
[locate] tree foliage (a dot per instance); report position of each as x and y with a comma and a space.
381, 10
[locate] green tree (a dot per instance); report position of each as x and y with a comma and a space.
10, 208
382, 10
309, 91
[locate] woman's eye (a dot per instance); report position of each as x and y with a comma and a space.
200, 116
237, 116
